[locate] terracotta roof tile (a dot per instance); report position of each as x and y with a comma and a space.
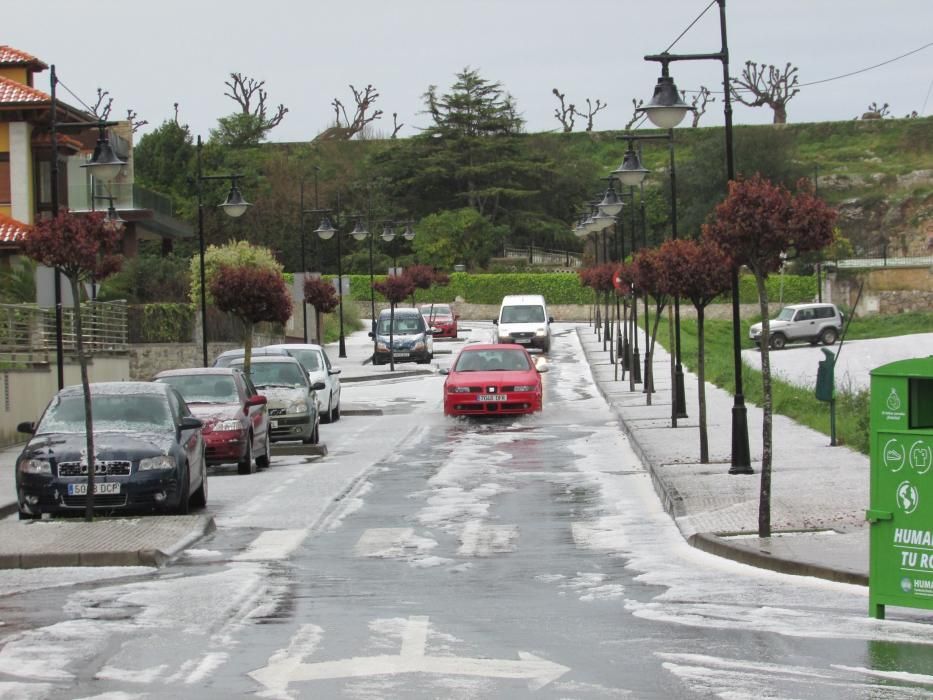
12, 92
11, 56
64, 141
11, 230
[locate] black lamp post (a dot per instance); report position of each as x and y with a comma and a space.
666, 110
326, 231
234, 206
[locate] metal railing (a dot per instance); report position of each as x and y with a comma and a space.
27, 332
886, 261
542, 256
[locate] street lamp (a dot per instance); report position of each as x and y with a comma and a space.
666, 110
234, 206
325, 232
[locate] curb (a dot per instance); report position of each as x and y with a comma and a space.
387, 375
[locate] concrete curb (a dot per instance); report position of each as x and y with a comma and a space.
389, 375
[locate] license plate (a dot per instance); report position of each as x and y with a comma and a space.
273, 424
401, 354
523, 341
492, 397
100, 488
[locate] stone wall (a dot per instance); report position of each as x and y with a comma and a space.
886, 291
147, 359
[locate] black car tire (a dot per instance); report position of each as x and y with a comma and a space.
778, 341
184, 499
328, 415
336, 415
315, 436
264, 461
245, 465
828, 336
28, 516
199, 499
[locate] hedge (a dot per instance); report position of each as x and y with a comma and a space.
565, 288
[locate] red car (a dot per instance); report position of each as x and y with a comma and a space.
493, 379
236, 422
442, 318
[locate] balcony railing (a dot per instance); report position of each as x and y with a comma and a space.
125, 196
542, 256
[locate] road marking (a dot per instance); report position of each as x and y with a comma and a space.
273, 545
479, 539
285, 669
383, 542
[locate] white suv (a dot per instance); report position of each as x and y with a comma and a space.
813, 323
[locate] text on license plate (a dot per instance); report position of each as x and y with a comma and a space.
523, 340
400, 354
100, 488
492, 397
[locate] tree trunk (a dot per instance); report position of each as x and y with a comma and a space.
764, 505
701, 384
649, 362
391, 336
88, 418
780, 113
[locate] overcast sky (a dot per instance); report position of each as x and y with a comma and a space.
149, 55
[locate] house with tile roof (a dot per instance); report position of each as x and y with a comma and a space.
26, 165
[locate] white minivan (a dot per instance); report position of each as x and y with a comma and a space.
523, 319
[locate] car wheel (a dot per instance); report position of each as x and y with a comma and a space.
328, 415
184, 500
336, 415
199, 499
245, 465
314, 438
828, 337
264, 461
29, 516
778, 341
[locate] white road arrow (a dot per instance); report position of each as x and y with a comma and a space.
281, 671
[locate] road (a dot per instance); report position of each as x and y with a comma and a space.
429, 557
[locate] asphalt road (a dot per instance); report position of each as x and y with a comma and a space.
427, 557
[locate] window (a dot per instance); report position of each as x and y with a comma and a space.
5, 195
920, 398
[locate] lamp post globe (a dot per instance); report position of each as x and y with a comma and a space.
666, 109
235, 206
104, 164
631, 173
610, 205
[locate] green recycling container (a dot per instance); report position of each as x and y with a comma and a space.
900, 570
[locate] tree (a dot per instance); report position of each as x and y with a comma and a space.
233, 254
421, 276
345, 128
758, 223
700, 99
253, 122
164, 162
698, 271
253, 295
395, 289
649, 278
768, 85
323, 298
462, 236
566, 113
591, 111
82, 248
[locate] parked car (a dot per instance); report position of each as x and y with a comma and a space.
317, 363
226, 358
149, 453
412, 340
291, 399
442, 319
524, 319
236, 422
813, 323
493, 379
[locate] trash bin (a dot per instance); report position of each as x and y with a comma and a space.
901, 495
825, 377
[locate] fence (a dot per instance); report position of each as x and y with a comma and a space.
28, 332
542, 256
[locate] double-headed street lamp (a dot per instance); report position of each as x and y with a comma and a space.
326, 230
666, 110
234, 206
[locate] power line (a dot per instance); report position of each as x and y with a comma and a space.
69, 91
690, 26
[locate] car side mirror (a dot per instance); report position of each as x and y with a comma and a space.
334, 370
26, 427
317, 386
370, 334
443, 371
550, 319
191, 423
495, 321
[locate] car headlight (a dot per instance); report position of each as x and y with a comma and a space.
525, 387
382, 347
227, 426
156, 463
35, 466
504, 338
459, 390
419, 346
300, 407
541, 332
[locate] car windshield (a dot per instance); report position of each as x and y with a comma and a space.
523, 314
404, 325
492, 361
204, 388
787, 314
227, 360
311, 359
438, 311
266, 374
109, 412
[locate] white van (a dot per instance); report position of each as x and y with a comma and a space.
523, 319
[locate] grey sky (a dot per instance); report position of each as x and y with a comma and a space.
152, 54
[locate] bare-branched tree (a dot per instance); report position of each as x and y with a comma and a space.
135, 123
104, 104
251, 96
396, 127
700, 99
175, 105
591, 111
765, 84
345, 128
565, 113
876, 111
636, 115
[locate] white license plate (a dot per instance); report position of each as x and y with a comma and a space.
523, 341
273, 424
492, 397
100, 488
401, 354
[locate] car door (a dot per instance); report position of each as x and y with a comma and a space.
191, 441
257, 415
333, 379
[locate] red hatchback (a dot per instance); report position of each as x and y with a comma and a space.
236, 422
442, 318
493, 379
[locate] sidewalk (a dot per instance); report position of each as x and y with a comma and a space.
819, 493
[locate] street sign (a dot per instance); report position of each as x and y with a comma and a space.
617, 280
901, 495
